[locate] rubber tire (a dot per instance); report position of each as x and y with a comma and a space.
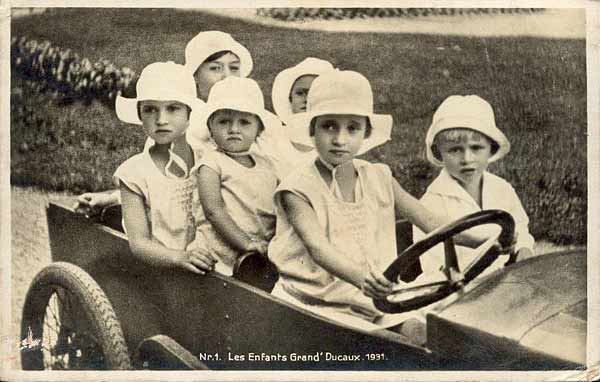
99, 314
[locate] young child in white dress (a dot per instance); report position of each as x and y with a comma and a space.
463, 139
158, 186
235, 183
336, 214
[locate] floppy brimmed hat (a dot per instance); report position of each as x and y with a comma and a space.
282, 85
341, 92
234, 93
160, 81
468, 112
205, 44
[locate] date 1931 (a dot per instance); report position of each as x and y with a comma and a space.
375, 357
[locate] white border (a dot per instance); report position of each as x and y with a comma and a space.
593, 147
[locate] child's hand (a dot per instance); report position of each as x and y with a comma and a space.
92, 203
375, 285
197, 261
509, 249
258, 246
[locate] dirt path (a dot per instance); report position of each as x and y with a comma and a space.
30, 246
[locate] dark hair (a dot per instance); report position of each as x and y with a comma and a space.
368, 129
139, 110
261, 126
215, 56
436, 152
296, 80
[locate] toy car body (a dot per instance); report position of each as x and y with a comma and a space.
528, 316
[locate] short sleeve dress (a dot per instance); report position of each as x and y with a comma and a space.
364, 230
170, 203
248, 197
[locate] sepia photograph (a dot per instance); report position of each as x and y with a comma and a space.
301, 191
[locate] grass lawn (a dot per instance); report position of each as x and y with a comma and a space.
536, 86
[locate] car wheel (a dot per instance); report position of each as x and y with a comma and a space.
69, 324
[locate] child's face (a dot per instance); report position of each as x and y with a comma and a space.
299, 93
338, 137
466, 158
211, 72
232, 130
164, 121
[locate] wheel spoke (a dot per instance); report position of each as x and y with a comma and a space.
52, 307
53, 331
67, 347
50, 326
52, 322
72, 337
57, 294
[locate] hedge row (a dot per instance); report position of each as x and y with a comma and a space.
61, 72
293, 14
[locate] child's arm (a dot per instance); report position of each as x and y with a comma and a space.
213, 205
525, 242
92, 203
409, 207
303, 218
142, 245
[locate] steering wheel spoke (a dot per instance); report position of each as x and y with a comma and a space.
402, 293
406, 299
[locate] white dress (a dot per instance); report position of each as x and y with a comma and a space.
446, 197
248, 197
364, 230
170, 203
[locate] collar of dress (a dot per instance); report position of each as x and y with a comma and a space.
446, 185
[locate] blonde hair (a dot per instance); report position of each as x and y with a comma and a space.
460, 134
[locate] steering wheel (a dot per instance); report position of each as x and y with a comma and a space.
419, 296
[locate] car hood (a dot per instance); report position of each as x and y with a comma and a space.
537, 306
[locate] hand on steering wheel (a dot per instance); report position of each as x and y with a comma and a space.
407, 299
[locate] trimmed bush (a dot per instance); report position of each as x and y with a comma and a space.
299, 14
62, 73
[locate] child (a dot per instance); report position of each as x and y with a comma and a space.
290, 89
235, 185
336, 215
463, 139
291, 85
158, 186
210, 57
213, 56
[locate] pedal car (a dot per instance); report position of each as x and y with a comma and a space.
98, 307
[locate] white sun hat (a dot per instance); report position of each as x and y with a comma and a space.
160, 81
205, 44
282, 85
469, 112
341, 92
234, 93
